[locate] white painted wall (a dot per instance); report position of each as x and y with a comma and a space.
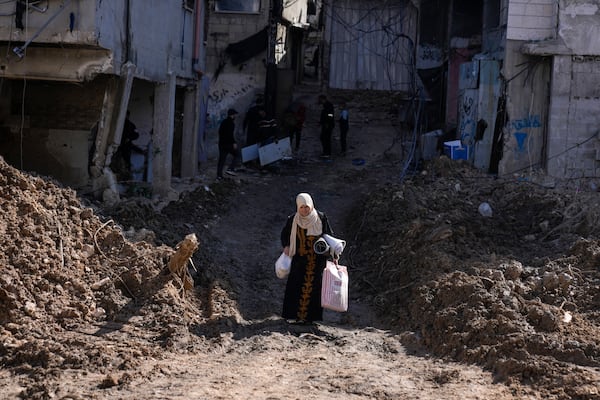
580, 26
532, 19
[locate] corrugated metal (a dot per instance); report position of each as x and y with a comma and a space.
372, 44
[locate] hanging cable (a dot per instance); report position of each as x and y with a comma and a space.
20, 51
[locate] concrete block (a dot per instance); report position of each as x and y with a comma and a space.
516, 8
515, 21
537, 9
561, 87
563, 64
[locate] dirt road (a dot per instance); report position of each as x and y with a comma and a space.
65, 336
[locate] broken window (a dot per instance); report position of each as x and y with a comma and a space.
238, 6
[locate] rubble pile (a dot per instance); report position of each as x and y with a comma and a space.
71, 280
516, 292
514, 288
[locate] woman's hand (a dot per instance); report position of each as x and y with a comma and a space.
286, 250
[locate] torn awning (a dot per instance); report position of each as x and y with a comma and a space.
248, 48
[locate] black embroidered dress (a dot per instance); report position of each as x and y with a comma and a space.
302, 299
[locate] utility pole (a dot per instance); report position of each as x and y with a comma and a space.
271, 79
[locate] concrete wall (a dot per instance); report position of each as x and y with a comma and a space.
527, 106
56, 127
161, 38
231, 86
156, 36
150, 41
579, 26
573, 143
573, 123
58, 29
532, 20
73, 23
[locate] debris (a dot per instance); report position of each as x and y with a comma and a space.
179, 260
100, 283
485, 210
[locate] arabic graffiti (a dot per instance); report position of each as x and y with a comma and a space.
522, 130
467, 125
532, 121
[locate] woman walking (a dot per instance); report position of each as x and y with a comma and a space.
302, 299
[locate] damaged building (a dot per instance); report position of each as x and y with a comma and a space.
74, 70
255, 49
516, 82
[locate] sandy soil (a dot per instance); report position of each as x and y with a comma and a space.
444, 302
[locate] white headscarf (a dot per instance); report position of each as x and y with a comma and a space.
312, 223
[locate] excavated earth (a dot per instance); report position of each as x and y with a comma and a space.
445, 302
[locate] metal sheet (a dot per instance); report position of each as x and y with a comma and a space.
250, 153
372, 45
487, 108
275, 151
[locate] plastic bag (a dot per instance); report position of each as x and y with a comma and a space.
334, 291
485, 210
283, 265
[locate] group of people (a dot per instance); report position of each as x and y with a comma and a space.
259, 128
327, 122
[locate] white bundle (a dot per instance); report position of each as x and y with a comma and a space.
336, 245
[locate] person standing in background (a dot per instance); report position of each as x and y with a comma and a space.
253, 116
300, 113
293, 122
121, 162
227, 144
344, 127
327, 122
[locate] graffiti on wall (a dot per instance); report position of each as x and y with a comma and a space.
467, 125
224, 94
522, 129
532, 121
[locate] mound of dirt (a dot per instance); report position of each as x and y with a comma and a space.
65, 270
497, 291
